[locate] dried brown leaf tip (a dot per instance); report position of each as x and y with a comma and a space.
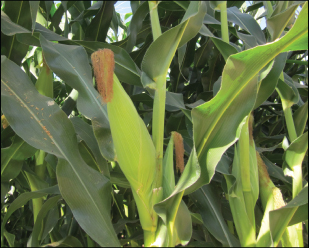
179, 150
103, 64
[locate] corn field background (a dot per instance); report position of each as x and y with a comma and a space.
180, 123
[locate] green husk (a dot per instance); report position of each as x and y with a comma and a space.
134, 148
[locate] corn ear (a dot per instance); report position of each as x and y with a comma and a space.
135, 151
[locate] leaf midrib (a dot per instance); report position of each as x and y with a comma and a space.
219, 220
64, 155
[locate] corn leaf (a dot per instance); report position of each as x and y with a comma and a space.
41, 123
216, 123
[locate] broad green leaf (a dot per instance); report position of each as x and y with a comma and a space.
35, 183
10, 238
38, 225
49, 129
288, 93
86, 133
44, 84
209, 207
268, 84
22, 199
296, 152
278, 21
50, 221
216, 123
154, 65
97, 29
225, 49
300, 118
12, 158
136, 24
18, 13
10, 28
34, 7
246, 22
91, 207
71, 64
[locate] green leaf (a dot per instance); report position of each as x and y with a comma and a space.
88, 195
18, 13
10, 28
278, 21
97, 29
268, 84
85, 132
296, 152
48, 128
12, 158
153, 65
23, 198
44, 84
288, 93
246, 22
300, 118
71, 64
34, 6
209, 207
38, 225
216, 123
10, 238
136, 25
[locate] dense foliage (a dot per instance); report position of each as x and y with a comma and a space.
83, 169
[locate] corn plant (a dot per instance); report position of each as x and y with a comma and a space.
188, 127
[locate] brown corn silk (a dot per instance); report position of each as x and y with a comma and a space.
103, 64
179, 150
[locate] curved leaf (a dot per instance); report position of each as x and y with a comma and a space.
19, 14
97, 29
86, 191
154, 65
12, 158
216, 123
